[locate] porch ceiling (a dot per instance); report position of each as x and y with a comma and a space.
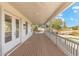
39, 12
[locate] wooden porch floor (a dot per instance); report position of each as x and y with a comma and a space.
38, 45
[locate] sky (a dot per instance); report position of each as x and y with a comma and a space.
71, 15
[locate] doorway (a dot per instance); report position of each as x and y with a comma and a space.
11, 31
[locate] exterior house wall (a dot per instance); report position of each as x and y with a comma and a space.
29, 32
0, 32
5, 47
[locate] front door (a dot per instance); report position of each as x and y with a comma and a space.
11, 32
7, 33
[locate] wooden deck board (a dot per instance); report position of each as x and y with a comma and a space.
38, 45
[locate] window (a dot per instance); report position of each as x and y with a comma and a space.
8, 28
17, 28
26, 25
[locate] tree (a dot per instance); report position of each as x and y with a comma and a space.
35, 27
57, 24
75, 27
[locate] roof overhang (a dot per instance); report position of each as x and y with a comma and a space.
40, 12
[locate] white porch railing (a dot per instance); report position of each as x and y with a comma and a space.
68, 46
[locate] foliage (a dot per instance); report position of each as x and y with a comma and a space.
57, 24
75, 27
35, 27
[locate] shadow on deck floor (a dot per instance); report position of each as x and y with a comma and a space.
38, 45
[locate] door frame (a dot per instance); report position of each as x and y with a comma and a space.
9, 45
16, 18
6, 13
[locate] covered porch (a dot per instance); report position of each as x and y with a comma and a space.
16, 34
